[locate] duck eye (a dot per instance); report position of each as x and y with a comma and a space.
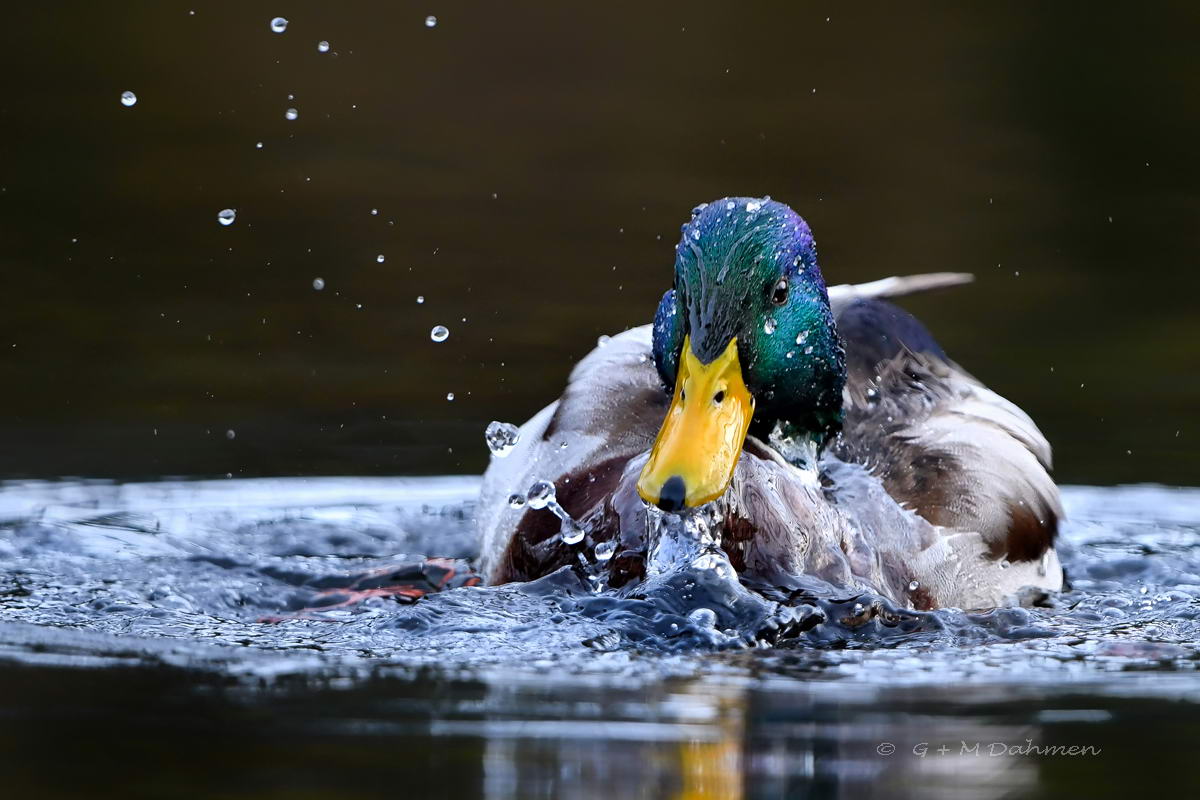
719, 397
780, 292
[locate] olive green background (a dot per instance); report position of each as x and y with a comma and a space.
531, 163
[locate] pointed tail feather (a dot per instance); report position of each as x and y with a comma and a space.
896, 286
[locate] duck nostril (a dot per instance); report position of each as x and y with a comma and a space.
670, 497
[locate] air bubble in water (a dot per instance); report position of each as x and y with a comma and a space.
279, 24
604, 550
516, 501
703, 618
226, 216
431, 21
291, 114
501, 437
128, 99
322, 46
318, 283
439, 333
540, 494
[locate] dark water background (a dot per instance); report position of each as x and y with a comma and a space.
531, 163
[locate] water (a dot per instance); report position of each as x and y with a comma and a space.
501, 438
290, 602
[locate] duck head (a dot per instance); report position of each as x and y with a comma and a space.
744, 340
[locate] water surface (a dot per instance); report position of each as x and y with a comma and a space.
186, 630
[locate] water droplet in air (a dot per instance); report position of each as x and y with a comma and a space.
769, 325
226, 216
322, 46
318, 283
128, 99
450, 397
291, 114
374, 212
501, 437
420, 299
230, 434
571, 532
516, 501
431, 21
279, 25
439, 333
380, 258
540, 494
604, 550
703, 618
258, 145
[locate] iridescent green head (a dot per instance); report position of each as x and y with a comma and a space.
748, 299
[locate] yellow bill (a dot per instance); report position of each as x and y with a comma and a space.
700, 440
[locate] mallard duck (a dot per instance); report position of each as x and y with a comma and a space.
824, 432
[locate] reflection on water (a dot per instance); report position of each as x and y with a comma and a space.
130, 616
517, 735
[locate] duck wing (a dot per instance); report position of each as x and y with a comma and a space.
610, 412
942, 443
